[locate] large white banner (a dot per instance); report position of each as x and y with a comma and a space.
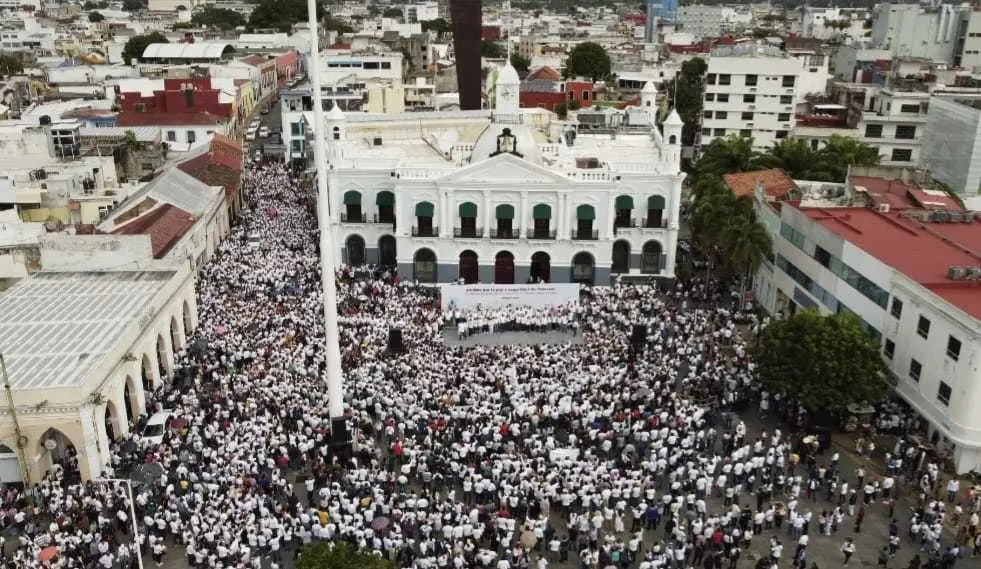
500, 295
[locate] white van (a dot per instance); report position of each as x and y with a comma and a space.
251, 133
155, 428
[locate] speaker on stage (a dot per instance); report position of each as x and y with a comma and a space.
639, 335
395, 343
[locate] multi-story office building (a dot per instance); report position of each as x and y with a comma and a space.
912, 277
507, 197
893, 121
704, 21
751, 91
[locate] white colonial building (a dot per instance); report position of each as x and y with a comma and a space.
509, 196
83, 351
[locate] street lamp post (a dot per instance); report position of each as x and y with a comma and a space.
132, 512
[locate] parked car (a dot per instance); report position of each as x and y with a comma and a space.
265, 110
155, 428
264, 132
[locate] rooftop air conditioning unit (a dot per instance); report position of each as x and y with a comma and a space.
883, 208
973, 273
955, 273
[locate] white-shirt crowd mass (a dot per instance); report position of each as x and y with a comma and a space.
476, 456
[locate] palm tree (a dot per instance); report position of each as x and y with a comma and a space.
746, 244
797, 159
707, 185
728, 155
841, 152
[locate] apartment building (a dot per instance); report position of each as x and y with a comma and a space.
703, 21
894, 122
750, 90
952, 143
912, 277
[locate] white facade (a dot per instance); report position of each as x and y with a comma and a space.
894, 122
704, 21
508, 198
751, 92
815, 22
810, 265
420, 12
88, 387
343, 66
952, 144
970, 54
910, 30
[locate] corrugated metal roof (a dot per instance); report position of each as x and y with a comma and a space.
182, 190
56, 327
197, 50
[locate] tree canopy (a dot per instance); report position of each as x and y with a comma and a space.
338, 555
282, 14
90, 5
588, 59
134, 48
520, 63
685, 93
96, 17
795, 157
394, 13
492, 50
439, 26
222, 18
824, 363
134, 5
10, 64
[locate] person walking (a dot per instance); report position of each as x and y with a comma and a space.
848, 549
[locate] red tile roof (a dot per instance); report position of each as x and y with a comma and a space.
254, 59
544, 72
216, 169
130, 118
165, 225
922, 251
776, 183
226, 145
902, 195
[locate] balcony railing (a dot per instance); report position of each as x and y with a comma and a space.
541, 234
472, 233
387, 219
577, 235
425, 232
509, 234
655, 224
345, 218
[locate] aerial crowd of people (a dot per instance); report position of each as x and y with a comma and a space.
591, 454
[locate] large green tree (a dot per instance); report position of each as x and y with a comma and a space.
520, 63
492, 50
134, 5
11, 64
134, 48
96, 17
824, 363
282, 14
685, 93
222, 18
746, 243
439, 26
841, 152
797, 159
588, 59
728, 155
338, 555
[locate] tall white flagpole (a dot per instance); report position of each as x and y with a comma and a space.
335, 379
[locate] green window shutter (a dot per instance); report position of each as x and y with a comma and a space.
385, 199
352, 198
505, 211
585, 212
424, 209
468, 209
655, 202
625, 202
542, 211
